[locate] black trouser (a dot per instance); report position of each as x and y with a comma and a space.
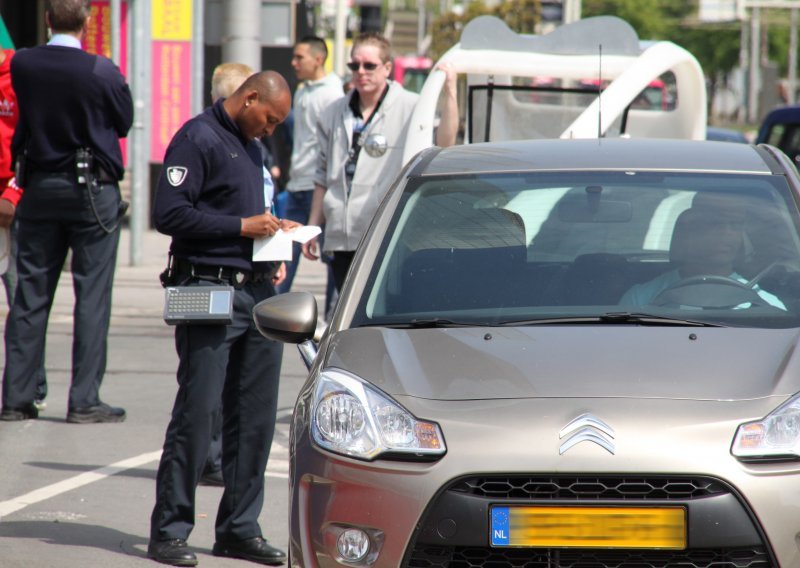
55, 216
235, 364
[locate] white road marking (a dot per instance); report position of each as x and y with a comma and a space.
38, 495
276, 468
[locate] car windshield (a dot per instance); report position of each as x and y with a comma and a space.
578, 247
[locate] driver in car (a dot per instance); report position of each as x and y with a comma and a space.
706, 241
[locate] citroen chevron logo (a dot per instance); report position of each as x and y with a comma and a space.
587, 428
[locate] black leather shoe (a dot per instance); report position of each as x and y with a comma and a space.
28, 412
173, 552
213, 478
254, 549
93, 414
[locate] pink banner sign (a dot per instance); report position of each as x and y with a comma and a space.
171, 93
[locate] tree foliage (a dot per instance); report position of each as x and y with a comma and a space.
522, 16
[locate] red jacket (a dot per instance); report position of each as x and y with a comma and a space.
9, 114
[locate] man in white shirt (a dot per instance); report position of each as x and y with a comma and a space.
317, 89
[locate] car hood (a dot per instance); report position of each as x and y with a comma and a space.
572, 361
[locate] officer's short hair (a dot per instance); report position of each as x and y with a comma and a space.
268, 85
316, 45
228, 77
67, 15
376, 39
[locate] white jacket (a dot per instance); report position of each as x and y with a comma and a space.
347, 217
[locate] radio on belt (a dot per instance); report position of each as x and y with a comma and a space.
198, 305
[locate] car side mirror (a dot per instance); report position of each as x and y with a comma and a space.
289, 318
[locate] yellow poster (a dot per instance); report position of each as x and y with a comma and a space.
172, 20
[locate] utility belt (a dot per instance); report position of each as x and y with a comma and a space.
98, 174
181, 269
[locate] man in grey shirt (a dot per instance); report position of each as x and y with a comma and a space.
316, 90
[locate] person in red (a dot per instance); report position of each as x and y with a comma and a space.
10, 194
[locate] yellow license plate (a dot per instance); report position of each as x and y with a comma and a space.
589, 527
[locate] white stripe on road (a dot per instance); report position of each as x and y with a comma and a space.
38, 495
14, 505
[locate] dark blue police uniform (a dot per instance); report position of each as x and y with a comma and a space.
68, 99
212, 178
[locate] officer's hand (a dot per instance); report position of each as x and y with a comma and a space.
264, 225
6, 213
280, 276
311, 249
287, 225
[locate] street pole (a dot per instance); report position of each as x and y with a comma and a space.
116, 28
420, 25
339, 37
744, 85
572, 11
198, 59
755, 63
139, 139
241, 41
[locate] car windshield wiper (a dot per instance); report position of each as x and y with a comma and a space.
426, 323
613, 318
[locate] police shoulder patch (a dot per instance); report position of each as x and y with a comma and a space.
176, 175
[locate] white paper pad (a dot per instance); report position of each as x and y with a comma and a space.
279, 246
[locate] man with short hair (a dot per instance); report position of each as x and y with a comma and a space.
349, 184
211, 200
316, 91
59, 130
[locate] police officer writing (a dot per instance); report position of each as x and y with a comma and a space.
69, 161
211, 199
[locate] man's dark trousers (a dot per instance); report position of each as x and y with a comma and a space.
235, 364
55, 215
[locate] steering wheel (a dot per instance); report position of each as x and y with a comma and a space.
709, 291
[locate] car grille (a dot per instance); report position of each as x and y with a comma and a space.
587, 488
469, 557
519, 489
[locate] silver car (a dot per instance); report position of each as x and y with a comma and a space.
558, 354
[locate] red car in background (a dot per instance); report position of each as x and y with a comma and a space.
411, 71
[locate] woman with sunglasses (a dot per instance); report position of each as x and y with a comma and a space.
349, 184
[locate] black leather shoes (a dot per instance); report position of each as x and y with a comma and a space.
173, 552
93, 414
28, 412
254, 549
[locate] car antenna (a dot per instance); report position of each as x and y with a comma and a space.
599, 91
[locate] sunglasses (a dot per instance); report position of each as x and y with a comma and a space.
368, 66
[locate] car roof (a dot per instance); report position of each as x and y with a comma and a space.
598, 154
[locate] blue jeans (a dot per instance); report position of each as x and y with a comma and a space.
298, 208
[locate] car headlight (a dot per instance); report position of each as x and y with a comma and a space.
352, 418
775, 437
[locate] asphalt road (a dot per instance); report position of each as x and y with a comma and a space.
81, 495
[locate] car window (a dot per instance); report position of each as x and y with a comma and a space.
495, 248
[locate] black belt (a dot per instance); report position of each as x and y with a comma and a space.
100, 175
233, 276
